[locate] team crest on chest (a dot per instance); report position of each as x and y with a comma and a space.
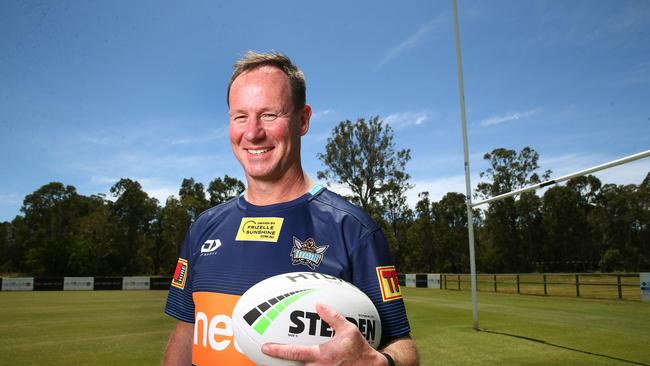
307, 253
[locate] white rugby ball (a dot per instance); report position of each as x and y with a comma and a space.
282, 309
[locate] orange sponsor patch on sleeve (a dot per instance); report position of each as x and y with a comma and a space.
180, 274
388, 282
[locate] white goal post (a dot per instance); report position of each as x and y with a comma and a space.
468, 186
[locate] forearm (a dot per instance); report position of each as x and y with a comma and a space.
179, 346
403, 351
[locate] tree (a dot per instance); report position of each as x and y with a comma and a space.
621, 223
221, 190
566, 229
530, 231
174, 223
509, 170
192, 197
51, 220
6, 263
450, 233
94, 251
361, 156
135, 213
420, 255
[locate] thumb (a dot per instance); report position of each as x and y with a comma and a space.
332, 317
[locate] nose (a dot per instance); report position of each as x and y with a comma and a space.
254, 130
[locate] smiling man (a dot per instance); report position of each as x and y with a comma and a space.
232, 246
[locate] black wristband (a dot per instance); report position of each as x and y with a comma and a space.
391, 362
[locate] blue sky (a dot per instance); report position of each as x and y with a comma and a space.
93, 91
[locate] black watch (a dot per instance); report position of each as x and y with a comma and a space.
391, 361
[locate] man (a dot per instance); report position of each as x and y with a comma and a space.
249, 238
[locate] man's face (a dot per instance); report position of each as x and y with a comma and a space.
265, 129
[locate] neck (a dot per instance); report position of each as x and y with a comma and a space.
290, 187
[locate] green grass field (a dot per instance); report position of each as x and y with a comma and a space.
129, 328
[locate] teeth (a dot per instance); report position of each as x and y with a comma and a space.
258, 152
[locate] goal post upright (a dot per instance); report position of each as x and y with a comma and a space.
468, 184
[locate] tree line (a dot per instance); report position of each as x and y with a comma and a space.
582, 226
64, 233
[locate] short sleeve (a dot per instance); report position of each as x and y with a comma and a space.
374, 273
180, 303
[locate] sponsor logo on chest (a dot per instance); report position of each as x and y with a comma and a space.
265, 229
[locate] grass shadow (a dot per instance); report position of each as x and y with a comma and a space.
541, 341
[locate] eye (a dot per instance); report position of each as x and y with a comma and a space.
268, 116
240, 118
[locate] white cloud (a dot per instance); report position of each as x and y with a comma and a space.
413, 40
438, 187
10, 199
220, 134
403, 119
103, 180
514, 116
321, 114
104, 170
159, 189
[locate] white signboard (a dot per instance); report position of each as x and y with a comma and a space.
135, 283
78, 283
644, 282
18, 284
433, 280
410, 280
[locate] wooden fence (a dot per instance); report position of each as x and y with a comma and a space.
622, 286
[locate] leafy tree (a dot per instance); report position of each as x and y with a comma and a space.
6, 264
420, 255
612, 261
193, 198
621, 216
94, 251
51, 217
221, 190
397, 216
135, 212
509, 170
530, 231
450, 232
174, 223
644, 223
16, 254
361, 156
567, 230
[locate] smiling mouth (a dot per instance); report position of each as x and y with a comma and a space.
259, 151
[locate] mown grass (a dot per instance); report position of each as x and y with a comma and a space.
83, 328
528, 330
129, 328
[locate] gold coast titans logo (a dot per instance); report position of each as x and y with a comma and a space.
307, 253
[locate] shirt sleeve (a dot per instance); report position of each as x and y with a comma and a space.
374, 273
180, 303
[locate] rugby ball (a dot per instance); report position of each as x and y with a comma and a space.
282, 309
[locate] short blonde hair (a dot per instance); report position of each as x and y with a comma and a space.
253, 60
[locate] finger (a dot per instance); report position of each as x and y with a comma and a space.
291, 352
332, 317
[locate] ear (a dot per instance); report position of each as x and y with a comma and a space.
304, 120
